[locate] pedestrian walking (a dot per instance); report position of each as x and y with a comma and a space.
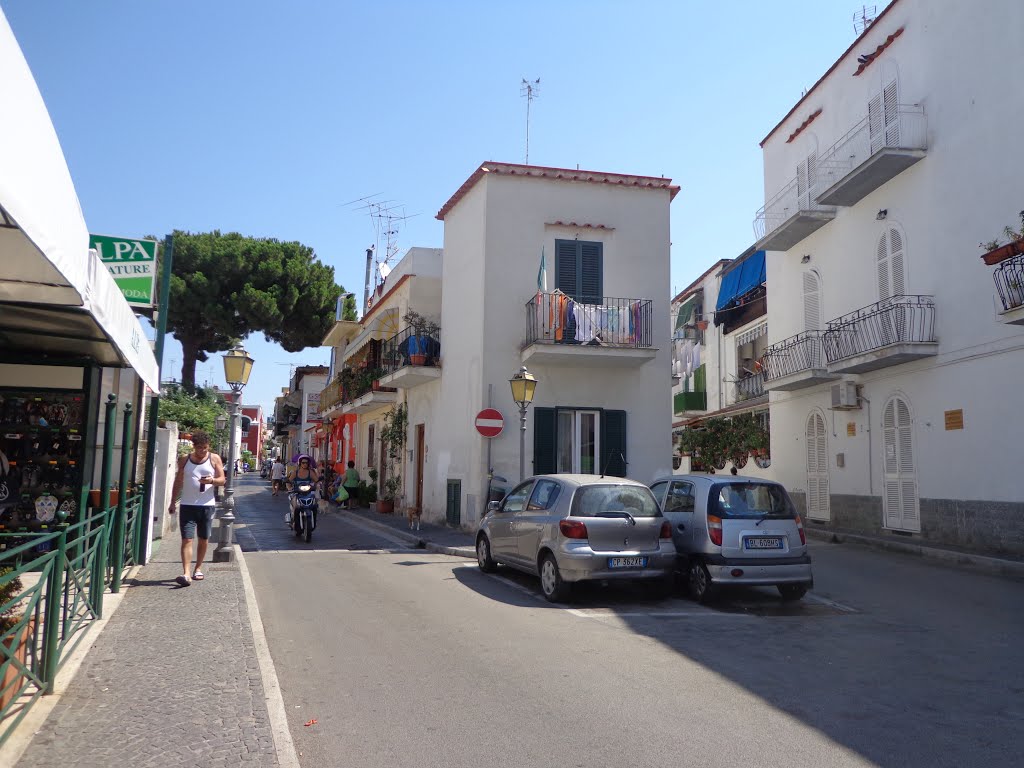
351, 484
197, 474
277, 475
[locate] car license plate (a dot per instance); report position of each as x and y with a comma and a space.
762, 542
627, 562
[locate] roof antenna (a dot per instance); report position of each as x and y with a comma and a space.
863, 18
531, 90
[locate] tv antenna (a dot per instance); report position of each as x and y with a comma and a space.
291, 371
863, 18
387, 217
531, 90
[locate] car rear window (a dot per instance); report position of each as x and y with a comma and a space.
613, 500
746, 499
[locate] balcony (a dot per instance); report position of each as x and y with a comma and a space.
796, 363
749, 387
790, 216
866, 158
887, 333
371, 401
609, 333
690, 401
1009, 279
410, 359
330, 398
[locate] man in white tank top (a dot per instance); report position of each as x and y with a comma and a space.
194, 482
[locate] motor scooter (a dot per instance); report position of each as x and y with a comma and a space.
304, 508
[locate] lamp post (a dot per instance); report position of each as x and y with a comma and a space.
237, 367
221, 423
523, 384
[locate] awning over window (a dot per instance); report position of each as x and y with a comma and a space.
687, 310
741, 280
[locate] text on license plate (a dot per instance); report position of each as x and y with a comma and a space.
627, 562
763, 542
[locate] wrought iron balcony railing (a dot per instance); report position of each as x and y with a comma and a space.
409, 348
555, 318
802, 352
750, 387
900, 319
1009, 279
795, 197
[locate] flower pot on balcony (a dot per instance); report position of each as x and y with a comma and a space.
375, 386
417, 359
702, 325
95, 497
1003, 252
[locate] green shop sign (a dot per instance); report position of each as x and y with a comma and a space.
132, 264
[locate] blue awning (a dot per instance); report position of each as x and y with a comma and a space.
741, 280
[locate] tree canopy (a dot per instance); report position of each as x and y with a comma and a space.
193, 411
226, 286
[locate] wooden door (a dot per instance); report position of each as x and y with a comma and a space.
420, 439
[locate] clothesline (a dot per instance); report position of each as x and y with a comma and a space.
564, 319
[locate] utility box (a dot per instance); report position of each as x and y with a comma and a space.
844, 396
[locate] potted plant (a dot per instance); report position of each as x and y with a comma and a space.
370, 492
423, 337
392, 442
996, 251
15, 634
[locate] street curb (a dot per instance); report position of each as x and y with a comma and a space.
284, 746
990, 565
21, 737
415, 541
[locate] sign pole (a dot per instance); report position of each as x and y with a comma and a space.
154, 403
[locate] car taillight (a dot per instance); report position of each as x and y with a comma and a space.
666, 530
572, 529
800, 530
715, 530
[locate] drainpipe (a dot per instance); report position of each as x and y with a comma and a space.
871, 476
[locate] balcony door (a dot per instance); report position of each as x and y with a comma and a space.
578, 441
891, 284
884, 117
818, 506
900, 499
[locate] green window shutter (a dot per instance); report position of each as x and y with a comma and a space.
567, 272
544, 438
579, 270
700, 379
453, 503
613, 443
591, 274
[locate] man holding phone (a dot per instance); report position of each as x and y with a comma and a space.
198, 473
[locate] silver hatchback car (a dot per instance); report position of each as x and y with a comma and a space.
735, 530
570, 528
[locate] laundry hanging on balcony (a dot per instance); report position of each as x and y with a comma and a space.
740, 285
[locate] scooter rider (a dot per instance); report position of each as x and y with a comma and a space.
304, 471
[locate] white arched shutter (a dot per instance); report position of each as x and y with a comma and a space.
902, 509
896, 263
891, 114
818, 507
812, 302
884, 283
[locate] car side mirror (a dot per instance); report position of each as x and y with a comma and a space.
493, 506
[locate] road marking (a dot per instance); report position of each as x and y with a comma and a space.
830, 603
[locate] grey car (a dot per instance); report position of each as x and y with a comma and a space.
570, 528
735, 530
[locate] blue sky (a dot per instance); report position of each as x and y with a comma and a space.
266, 118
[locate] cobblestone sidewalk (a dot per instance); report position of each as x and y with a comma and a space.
172, 680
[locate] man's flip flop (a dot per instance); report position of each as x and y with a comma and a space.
183, 581
198, 575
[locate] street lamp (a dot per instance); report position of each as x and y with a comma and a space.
523, 384
237, 367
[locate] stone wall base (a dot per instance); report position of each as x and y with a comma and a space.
991, 528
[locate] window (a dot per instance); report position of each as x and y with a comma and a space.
579, 271
812, 301
680, 497
544, 495
658, 489
370, 452
516, 501
613, 501
750, 500
587, 441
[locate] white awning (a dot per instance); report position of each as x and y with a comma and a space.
56, 296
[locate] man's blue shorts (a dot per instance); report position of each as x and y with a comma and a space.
196, 520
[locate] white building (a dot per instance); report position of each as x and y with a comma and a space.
893, 377
594, 336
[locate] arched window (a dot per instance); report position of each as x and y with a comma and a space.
900, 474
818, 506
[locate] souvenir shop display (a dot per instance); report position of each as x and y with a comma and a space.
41, 435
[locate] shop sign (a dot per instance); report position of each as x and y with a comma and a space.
132, 264
313, 407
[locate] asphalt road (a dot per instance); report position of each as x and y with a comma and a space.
407, 658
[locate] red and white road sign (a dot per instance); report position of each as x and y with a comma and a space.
489, 422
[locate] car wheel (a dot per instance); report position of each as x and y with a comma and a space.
701, 588
551, 584
483, 555
792, 591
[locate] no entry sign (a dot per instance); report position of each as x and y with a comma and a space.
489, 422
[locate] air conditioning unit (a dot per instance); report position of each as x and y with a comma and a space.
844, 396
